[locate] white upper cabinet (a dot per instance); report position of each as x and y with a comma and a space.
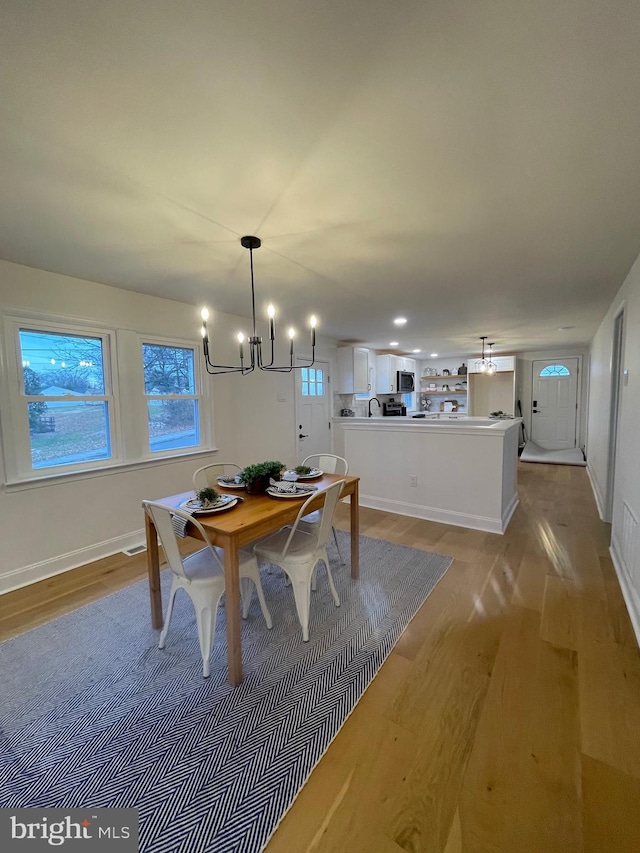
353, 370
502, 362
387, 374
410, 365
387, 367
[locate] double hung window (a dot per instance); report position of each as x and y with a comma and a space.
172, 403
77, 398
66, 410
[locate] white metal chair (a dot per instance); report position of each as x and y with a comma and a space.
331, 464
297, 553
201, 575
208, 474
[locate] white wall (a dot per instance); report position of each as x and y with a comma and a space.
625, 531
49, 528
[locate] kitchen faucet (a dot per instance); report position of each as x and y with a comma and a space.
370, 402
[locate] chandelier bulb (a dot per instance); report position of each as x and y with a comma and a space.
205, 313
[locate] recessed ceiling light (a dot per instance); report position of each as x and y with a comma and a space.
417, 350
400, 321
434, 355
394, 344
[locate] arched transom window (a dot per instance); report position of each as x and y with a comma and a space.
555, 370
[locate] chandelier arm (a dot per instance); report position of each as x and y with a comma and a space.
261, 364
292, 366
218, 369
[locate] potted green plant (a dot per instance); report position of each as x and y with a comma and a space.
207, 496
256, 477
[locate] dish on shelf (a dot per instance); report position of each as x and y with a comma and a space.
224, 502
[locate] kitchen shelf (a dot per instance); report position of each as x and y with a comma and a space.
444, 376
455, 393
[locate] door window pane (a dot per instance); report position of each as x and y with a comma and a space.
555, 370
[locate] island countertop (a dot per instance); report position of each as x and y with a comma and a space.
462, 423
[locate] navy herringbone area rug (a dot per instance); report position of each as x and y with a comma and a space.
93, 714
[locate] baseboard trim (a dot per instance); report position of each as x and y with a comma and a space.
596, 494
507, 514
631, 598
27, 575
457, 519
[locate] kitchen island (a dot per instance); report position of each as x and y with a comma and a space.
460, 471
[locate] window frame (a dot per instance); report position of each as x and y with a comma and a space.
124, 380
199, 396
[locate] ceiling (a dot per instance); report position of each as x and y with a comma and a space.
474, 166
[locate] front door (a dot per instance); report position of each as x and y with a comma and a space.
312, 410
554, 398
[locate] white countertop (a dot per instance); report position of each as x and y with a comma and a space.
462, 424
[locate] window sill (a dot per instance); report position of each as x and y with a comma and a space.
104, 471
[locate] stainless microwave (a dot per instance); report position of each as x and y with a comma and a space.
405, 382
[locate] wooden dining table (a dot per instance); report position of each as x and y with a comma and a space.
254, 517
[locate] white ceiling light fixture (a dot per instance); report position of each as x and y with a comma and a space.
400, 321
417, 350
491, 365
394, 344
254, 340
433, 355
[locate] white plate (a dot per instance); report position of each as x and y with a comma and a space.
315, 472
224, 485
224, 502
276, 494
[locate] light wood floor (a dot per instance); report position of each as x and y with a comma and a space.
507, 718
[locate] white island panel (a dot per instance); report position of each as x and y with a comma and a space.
461, 473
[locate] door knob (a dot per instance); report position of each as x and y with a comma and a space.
535, 411
303, 436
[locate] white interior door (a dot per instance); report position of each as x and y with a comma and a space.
312, 409
554, 400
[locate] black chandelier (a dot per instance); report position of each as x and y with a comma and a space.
254, 340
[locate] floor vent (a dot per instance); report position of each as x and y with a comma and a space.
136, 549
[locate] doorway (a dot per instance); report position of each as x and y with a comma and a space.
554, 399
313, 422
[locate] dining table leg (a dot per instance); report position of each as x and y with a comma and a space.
354, 514
153, 568
232, 611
